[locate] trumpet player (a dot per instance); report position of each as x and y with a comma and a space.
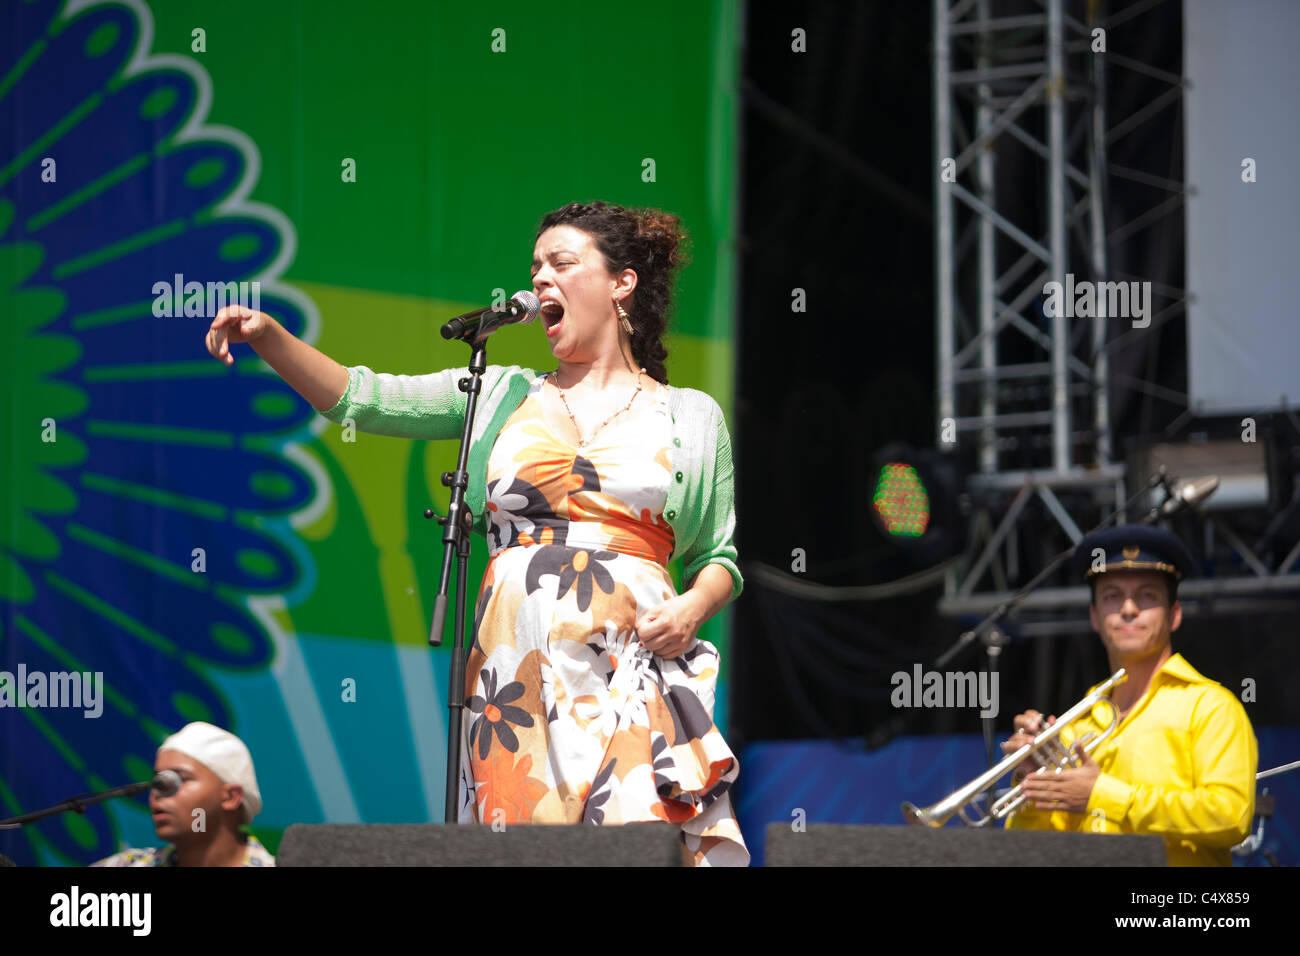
1181, 762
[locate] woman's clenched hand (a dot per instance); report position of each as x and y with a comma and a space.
668, 629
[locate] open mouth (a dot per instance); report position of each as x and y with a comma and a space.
552, 315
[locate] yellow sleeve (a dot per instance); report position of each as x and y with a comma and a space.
1217, 809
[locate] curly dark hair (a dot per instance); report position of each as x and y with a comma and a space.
651, 243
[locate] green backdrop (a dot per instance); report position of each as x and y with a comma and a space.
459, 149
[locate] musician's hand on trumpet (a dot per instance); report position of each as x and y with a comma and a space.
1067, 790
1027, 725
1071, 787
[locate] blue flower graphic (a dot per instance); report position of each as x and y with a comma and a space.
150, 483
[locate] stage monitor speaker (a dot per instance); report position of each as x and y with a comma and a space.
432, 844
830, 844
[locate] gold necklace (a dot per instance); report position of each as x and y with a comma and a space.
584, 442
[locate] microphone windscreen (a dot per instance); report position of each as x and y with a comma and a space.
167, 782
532, 307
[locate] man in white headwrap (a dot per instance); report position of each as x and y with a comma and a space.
201, 821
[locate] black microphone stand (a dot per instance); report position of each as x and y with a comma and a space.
456, 529
472, 328
75, 804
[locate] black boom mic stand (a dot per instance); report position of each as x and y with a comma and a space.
459, 520
456, 528
166, 781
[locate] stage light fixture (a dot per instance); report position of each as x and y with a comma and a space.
916, 502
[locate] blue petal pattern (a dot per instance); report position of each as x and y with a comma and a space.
160, 450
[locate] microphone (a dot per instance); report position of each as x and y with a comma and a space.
166, 782
1187, 495
477, 325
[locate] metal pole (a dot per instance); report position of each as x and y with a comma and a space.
988, 449
1061, 456
1100, 263
943, 240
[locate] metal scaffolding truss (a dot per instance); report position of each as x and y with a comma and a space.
1018, 82
1029, 89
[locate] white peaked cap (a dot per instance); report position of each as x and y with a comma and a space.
224, 754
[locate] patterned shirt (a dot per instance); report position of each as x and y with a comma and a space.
254, 855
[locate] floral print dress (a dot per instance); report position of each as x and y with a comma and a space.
570, 719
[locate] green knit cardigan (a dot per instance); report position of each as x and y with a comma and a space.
701, 500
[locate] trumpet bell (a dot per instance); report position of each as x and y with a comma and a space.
914, 814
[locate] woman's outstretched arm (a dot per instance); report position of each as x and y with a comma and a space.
311, 373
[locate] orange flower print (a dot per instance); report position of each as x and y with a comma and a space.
578, 568
506, 792
519, 513
547, 536
716, 771
496, 714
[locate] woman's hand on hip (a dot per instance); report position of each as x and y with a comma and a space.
667, 630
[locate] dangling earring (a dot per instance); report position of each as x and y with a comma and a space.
622, 317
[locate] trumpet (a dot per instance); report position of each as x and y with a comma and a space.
1045, 746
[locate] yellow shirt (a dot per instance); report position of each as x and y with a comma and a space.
1181, 764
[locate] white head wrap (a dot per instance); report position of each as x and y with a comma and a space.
224, 754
